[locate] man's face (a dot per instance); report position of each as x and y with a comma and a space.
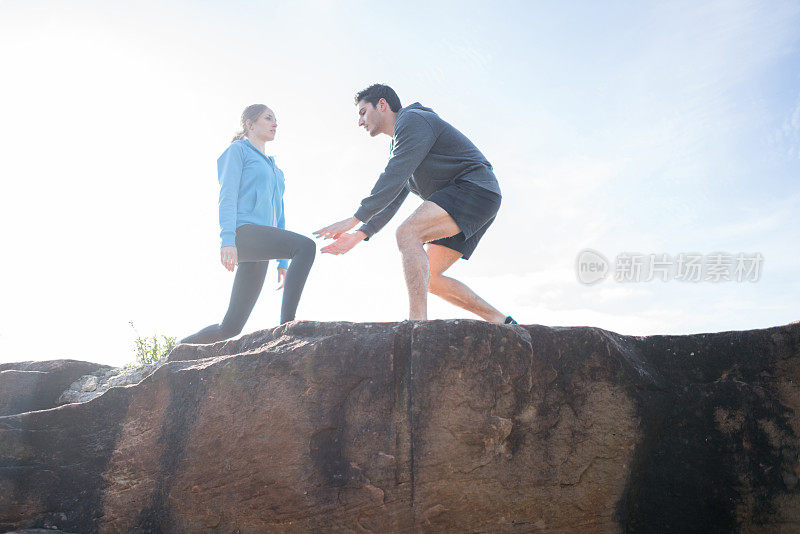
369, 117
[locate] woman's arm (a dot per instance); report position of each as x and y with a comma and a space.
282, 263
229, 169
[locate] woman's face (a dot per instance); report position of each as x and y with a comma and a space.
264, 127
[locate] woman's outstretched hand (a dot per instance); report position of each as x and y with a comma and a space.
228, 257
281, 278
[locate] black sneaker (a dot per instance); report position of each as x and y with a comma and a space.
510, 320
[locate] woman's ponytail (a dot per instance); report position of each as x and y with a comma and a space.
251, 113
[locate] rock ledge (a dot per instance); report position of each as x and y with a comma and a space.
438, 426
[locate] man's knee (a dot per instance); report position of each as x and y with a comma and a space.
435, 284
406, 236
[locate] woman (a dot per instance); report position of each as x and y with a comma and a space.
252, 222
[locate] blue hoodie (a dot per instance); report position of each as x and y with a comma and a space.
251, 191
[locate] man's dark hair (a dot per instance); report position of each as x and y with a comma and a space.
375, 92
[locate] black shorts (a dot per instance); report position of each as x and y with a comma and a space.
472, 207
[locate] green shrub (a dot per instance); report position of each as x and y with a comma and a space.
150, 349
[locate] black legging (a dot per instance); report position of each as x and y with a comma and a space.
255, 245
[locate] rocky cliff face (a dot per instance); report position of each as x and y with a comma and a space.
28, 386
440, 426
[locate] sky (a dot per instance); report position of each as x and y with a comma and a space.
625, 128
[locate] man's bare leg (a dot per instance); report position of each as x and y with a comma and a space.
442, 258
428, 223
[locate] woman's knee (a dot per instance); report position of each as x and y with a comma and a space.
306, 248
230, 331
230, 328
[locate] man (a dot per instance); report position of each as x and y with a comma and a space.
461, 197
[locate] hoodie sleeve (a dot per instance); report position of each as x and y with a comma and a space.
412, 141
282, 263
229, 169
385, 215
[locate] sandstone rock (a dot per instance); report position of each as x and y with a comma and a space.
27, 386
135, 375
88, 383
88, 387
440, 426
75, 393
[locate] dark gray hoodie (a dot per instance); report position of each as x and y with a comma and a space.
428, 154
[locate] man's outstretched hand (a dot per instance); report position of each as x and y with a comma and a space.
335, 230
338, 231
344, 243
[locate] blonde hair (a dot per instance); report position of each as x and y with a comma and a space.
251, 113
